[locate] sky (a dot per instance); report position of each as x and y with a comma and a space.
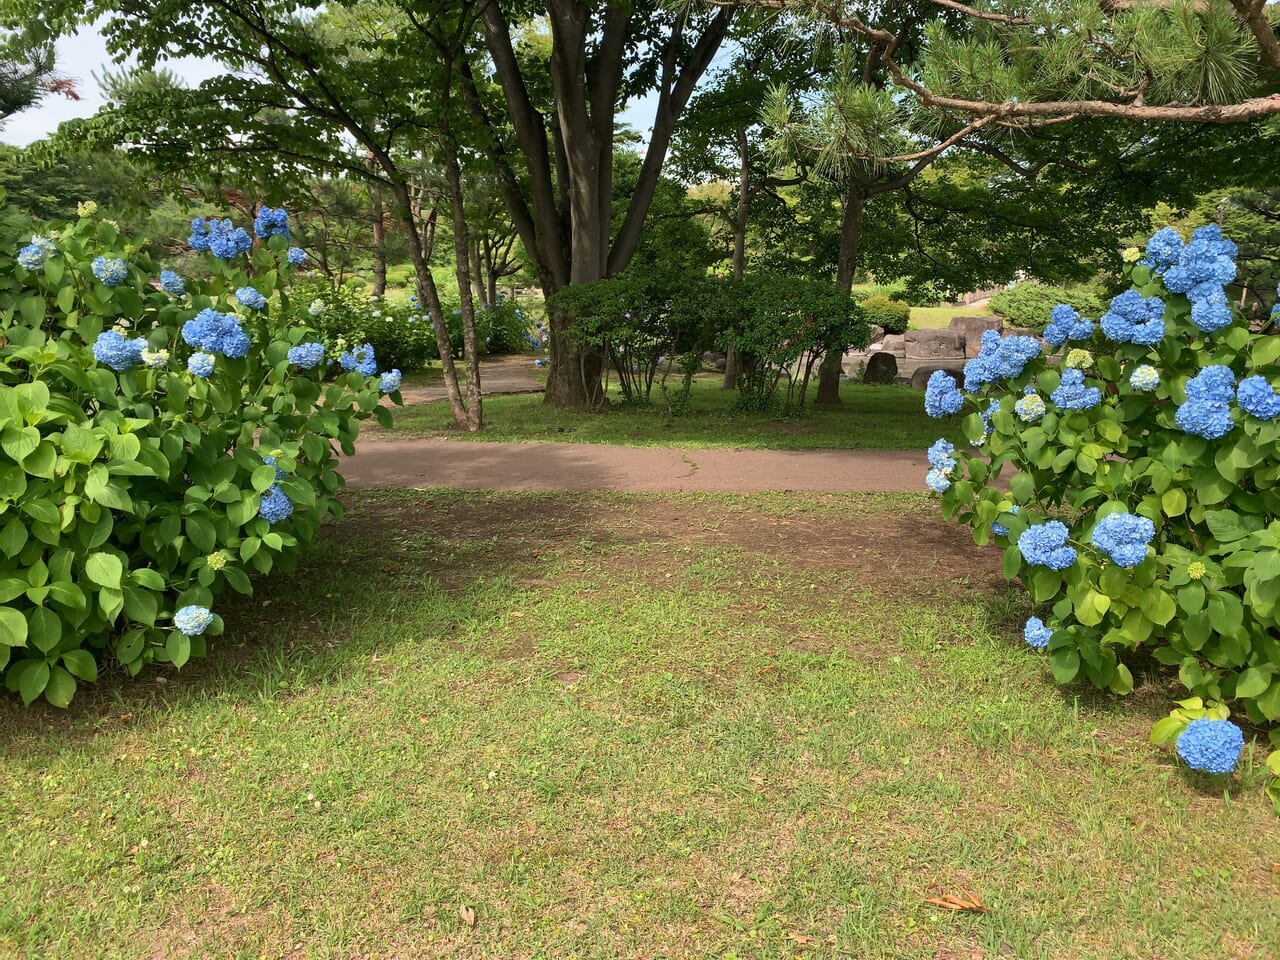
80, 56
84, 54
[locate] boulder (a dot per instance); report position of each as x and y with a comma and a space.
973, 328
877, 333
894, 343
713, 361
882, 367
933, 344
920, 379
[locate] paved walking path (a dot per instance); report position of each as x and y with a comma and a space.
479, 465
476, 465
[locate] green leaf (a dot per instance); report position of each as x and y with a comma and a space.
1168, 729
61, 687
104, 569
19, 442
13, 537
80, 663
32, 310
1022, 486
1158, 606
13, 627
1065, 664
146, 577
42, 511
140, 606
44, 628
263, 477
178, 647
32, 677
1174, 502
1012, 561
1252, 682
1122, 681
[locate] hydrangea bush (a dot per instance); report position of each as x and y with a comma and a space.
1131, 474
162, 438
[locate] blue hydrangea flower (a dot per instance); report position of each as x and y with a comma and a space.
251, 298
1124, 537
271, 223
1036, 633
940, 455
1163, 249
1045, 545
276, 505
390, 382
1000, 358
1072, 394
1145, 378
110, 272
1030, 407
937, 480
296, 256
192, 621
219, 237
1258, 398
941, 396
1210, 419
1065, 323
1207, 259
360, 359
216, 333
32, 257
999, 529
117, 352
307, 355
1215, 382
992, 407
1133, 318
1211, 746
201, 365
171, 283
1211, 312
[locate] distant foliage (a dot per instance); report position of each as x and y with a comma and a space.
892, 315
163, 438
1029, 304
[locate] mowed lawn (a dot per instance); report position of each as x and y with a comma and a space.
486, 725
868, 418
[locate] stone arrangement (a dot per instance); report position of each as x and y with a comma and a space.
912, 356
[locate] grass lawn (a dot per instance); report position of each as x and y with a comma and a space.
870, 418
935, 318
497, 726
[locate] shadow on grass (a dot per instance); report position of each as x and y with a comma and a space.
297, 628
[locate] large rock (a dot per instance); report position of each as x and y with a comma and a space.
933, 344
920, 379
713, 361
894, 343
877, 333
882, 367
972, 328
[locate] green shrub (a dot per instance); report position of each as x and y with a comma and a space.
637, 320
1028, 304
1155, 446
131, 488
892, 315
783, 324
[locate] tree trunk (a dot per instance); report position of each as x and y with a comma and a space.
379, 241
855, 203
732, 362
429, 295
477, 271
461, 252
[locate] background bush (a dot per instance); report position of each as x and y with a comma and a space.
128, 495
892, 315
1028, 304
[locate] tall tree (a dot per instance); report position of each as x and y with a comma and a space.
600, 55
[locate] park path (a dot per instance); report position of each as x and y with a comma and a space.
476, 465
481, 465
